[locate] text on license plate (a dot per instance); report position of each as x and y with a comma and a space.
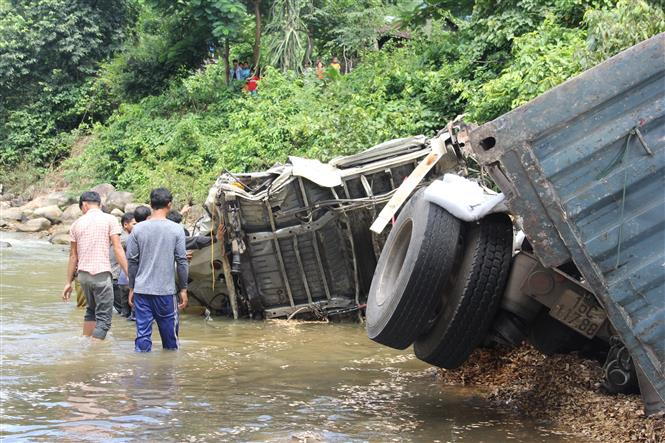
580, 312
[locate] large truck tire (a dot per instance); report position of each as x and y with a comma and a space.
470, 302
411, 273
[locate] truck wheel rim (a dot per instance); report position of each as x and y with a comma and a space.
397, 255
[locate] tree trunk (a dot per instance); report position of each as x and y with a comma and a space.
257, 32
308, 50
227, 66
346, 61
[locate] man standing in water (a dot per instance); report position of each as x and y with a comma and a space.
153, 248
120, 281
90, 236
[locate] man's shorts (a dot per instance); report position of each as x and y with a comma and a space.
98, 290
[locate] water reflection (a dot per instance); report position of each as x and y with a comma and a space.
231, 381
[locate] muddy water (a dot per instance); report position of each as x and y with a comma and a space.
231, 381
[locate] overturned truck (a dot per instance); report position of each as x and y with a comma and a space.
569, 256
295, 240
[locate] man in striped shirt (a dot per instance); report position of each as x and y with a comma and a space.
90, 237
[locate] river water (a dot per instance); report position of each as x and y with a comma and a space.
231, 381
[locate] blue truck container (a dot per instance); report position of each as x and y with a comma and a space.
583, 168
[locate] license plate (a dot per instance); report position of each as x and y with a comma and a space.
580, 312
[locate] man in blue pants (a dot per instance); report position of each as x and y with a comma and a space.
155, 250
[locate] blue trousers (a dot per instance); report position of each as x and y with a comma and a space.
164, 310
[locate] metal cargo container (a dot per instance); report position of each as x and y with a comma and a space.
583, 166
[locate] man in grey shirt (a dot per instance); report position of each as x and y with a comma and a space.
155, 249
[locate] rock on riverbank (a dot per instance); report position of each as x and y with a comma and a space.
53, 213
562, 389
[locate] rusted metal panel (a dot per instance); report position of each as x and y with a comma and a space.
583, 166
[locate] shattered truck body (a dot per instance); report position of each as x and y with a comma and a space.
295, 238
571, 255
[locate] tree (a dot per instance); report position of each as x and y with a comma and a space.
48, 50
205, 20
359, 30
426, 10
43, 39
259, 9
286, 33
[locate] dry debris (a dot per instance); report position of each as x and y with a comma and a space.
563, 389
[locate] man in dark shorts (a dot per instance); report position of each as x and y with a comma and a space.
155, 249
90, 237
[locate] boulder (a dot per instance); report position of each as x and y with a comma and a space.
61, 229
60, 239
61, 199
16, 202
118, 200
15, 214
5, 244
27, 213
117, 212
35, 203
72, 212
34, 225
55, 198
104, 190
129, 207
53, 213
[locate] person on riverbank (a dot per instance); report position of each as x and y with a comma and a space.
245, 72
141, 213
120, 280
335, 64
320, 69
234, 71
155, 250
253, 83
90, 236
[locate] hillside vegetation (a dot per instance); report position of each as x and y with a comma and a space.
136, 85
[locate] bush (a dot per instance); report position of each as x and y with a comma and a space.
194, 126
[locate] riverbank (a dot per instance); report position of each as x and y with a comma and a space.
51, 213
562, 389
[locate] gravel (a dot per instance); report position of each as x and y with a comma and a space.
562, 389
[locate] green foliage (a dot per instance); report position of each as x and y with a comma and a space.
149, 60
286, 34
188, 135
47, 49
160, 116
42, 39
359, 28
611, 30
542, 59
553, 53
218, 18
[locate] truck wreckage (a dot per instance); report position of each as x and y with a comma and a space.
296, 238
581, 169
569, 256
